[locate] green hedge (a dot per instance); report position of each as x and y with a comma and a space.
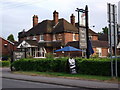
4, 63
91, 66
53, 65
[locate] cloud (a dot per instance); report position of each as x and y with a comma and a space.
17, 14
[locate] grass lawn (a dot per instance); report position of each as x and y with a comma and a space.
71, 76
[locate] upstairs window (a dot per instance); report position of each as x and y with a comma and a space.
90, 37
34, 37
28, 38
54, 38
74, 37
42, 37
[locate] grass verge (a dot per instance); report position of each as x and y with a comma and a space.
71, 76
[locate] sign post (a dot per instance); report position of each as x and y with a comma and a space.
18, 55
82, 31
112, 34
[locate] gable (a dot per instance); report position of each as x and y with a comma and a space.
118, 46
23, 44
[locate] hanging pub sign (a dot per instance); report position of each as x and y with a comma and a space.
18, 55
83, 42
72, 65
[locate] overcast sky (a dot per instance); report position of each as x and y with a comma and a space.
16, 15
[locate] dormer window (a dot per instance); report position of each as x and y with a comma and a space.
42, 37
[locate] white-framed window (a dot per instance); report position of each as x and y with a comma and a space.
28, 38
54, 38
34, 37
74, 37
99, 51
90, 37
41, 37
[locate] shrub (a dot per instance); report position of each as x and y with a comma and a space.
4, 63
92, 66
49, 55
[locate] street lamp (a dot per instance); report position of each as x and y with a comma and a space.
86, 26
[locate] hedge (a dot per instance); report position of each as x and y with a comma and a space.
84, 66
4, 63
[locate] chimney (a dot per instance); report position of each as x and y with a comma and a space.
55, 17
72, 19
35, 20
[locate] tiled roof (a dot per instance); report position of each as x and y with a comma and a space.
50, 44
43, 27
47, 26
98, 43
64, 26
91, 32
32, 42
103, 37
95, 43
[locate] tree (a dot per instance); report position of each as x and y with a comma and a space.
104, 31
11, 38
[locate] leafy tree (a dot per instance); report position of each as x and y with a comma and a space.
11, 38
104, 31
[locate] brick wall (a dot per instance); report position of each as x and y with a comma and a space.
104, 51
47, 37
68, 37
6, 47
94, 37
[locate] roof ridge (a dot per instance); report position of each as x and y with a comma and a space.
7, 40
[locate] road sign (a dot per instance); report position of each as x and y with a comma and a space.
112, 33
112, 19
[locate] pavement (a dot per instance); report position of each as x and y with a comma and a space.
6, 73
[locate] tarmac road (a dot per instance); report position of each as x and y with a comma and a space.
11, 83
59, 82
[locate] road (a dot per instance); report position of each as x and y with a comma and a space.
10, 83
26, 81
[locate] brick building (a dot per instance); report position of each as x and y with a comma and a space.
6, 47
49, 35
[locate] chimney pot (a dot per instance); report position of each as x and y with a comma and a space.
55, 17
72, 19
35, 20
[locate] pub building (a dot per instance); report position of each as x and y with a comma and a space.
49, 35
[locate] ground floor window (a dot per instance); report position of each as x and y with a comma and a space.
99, 52
36, 52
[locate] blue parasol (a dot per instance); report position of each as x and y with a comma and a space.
68, 48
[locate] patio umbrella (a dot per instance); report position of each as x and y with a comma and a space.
68, 49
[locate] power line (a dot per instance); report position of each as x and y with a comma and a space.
12, 6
